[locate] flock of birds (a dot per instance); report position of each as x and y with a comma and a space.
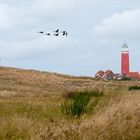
54, 33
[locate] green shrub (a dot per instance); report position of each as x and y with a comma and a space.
134, 88
74, 94
76, 102
126, 78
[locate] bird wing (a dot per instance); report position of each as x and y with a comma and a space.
57, 30
41, 32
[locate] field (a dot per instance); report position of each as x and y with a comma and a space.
30, 108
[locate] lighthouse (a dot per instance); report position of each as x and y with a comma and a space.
124, 60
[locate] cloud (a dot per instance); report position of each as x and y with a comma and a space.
20, 44
36, 48
4, 17
32, 13
123, 25
50, 6
19, 25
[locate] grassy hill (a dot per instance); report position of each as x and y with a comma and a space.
30, 107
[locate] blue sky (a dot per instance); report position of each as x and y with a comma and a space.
96, 30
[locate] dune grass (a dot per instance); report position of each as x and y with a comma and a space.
76, 102
117, 116
30, 108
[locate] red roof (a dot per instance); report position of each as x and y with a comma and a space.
100, 72
133, 74
108, 72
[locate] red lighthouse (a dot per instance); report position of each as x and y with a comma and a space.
124, 60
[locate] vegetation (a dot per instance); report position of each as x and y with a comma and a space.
126, 78
77, 101
134, 88
30, 107
85, 92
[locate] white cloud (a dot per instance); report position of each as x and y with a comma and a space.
19, 25
4, 17
36, 48
123, 25
50, 6
32, 13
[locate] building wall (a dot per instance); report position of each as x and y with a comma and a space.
124, 63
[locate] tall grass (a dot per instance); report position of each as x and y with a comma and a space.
76, 102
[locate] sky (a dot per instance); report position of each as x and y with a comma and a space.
96, 31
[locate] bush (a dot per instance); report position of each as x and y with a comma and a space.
74, 94
134, 88
126, 78
76, 102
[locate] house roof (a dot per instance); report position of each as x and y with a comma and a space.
108, 72
133, 74
100, 72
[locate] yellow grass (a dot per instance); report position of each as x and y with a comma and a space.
30, 100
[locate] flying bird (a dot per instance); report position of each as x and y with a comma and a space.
64, 33
54, 33
57, 31
48, 34
41, 32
